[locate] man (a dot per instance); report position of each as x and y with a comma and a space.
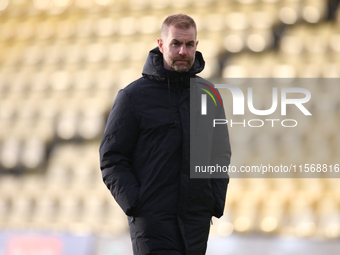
145, 152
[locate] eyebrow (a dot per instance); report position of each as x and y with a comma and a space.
175, 40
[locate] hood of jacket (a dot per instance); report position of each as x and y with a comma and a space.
154, 68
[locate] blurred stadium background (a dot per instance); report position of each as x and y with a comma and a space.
62, 63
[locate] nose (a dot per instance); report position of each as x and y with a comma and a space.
183, 50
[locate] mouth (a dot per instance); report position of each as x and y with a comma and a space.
182, 61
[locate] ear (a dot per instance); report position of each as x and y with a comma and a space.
197, 43
160, 44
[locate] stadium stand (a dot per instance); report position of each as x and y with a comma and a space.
62, 63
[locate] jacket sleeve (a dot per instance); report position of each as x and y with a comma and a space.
221, 154
116, 150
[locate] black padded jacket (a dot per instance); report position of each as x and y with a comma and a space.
145, 162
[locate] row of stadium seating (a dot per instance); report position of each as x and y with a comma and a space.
55, 7
72, 197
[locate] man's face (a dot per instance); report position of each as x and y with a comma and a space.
178, 47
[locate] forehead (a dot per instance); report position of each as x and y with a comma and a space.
181, 34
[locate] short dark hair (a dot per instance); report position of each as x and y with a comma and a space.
179, 21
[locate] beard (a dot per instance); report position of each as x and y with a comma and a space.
180, 67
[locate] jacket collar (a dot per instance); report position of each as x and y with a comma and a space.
154, 68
